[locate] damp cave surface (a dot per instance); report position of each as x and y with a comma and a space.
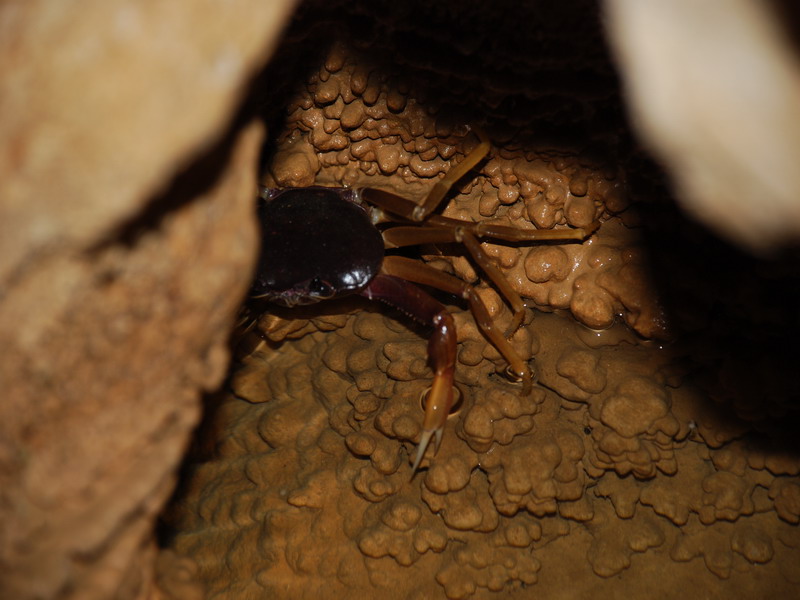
659, 443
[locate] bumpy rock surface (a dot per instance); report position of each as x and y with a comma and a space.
350, 128
126, 244
659, 438
309, 488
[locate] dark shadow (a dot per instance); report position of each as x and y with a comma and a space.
732, 314
735, 317
788, 18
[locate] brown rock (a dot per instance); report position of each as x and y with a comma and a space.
127, 239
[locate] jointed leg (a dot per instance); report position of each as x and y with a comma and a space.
421, 273
442, 230
497, 277
441, 187
407, 209
441, 349
487, 229
409, 236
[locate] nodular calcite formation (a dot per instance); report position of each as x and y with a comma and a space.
127, 239
599, 472
640, 448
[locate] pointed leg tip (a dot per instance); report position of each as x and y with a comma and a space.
594, 226
424, 441
514, 326
438, 442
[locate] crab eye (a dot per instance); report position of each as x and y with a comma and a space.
321, 289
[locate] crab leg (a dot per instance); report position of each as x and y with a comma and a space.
438, 229
488, 229
469, 237
406, 236
441, 349
443, 229
414, 212
426, 275
497, 277
441, 187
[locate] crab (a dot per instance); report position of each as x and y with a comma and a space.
320, 243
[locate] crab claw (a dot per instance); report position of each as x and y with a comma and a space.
438, 403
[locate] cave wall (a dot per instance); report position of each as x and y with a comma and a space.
127, 240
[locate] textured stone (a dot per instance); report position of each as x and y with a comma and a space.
127, 240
